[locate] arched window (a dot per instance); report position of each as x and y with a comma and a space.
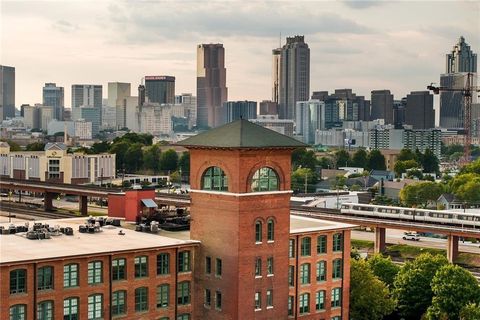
264, 179
214, 179
258, 231
270, 230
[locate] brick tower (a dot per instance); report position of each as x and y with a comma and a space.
240, 209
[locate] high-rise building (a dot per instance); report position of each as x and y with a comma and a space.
89, 114
7, 92
419, 112
189, 102
459, 63
235, 110
276, 58
160, 89
117, 93
268, 108
46, 114
382, 106
87, 95
309, 118
54, 96
294, 76
399, 112
211, 84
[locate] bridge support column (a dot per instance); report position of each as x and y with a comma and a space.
380, 240
452, 248
48, 201
83, 205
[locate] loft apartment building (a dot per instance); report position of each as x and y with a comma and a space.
245, 256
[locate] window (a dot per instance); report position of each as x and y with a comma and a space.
163, 294
291, 299
118, 302
95, 306
321, 271
322, 244
320, 300
163, 263
291, 276
291, 248
45, 278
264, 179
305, 246
337, 318
184, 316
218, 270
269, 298
141, 299
141, 266
214, 179
70, 309
118, 269
258, 267
270, 266
258, 301
270, 230
208, 265
336, 297
258, 232
183, 293
337, 268
70, 275
18, 283
184, 261
208, 298
337, 242
94, 272
18, 311
304, 302
218, 300
305, 273
45, 310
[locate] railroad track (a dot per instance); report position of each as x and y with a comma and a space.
31, 212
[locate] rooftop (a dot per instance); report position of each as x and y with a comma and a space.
241, 134
306, 225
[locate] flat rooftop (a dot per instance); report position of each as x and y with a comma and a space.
300, 224
16, 247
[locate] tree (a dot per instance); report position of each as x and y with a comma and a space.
175, 177
369, 297
35, 146
13, 145
453, 288
421, 193
473, 167
470, 312
359, 158
376, 160
119, 149
342, 158
151, 158
470, 191
384, 268
305, 159
184, 163
169, 160
412, 288
299, 177
133, 157
100, 147
430, 162
406, 154
325, 163
401, 166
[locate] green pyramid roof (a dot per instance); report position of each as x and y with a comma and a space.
241, 134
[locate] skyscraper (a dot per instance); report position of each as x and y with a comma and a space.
382, 106
310, 117
54, 96
87, 104
419, 110
235, 110
7, 92
160, 89
459, 63
276, 57
117, 93
211, 84
294, 76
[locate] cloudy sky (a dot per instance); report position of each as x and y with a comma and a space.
362, 45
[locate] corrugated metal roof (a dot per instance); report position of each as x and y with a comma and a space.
149, 203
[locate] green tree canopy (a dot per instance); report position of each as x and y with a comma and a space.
175, 177
406, 154
473, 167
369, 296
326, 163
100, 147
342, 158
35, 146
304, 158
360, 158
151, 158
384, 268
120, 148
470, 312
421, 193
401, 166
376, 160
299, 177
13, 145
430, 162
169, 160
134, 157
453, 287
412, 286
184, 163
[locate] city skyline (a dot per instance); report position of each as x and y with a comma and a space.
104, 43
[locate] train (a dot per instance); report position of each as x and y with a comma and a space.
469, 220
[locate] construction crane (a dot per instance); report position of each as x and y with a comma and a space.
467, 91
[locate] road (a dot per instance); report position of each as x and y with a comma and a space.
395, 237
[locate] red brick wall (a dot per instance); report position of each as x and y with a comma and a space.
129, 204
116, 205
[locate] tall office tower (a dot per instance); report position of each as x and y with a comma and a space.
211, 84
319, 95
54, 96
459, 63
7, 92
399, 113
276, 64
87, 95
30, 116
46, 114
160, 89
268, 108
189, 102
141, 95
309, 118
382, 106
419, 111
357, 108
294, 76
235, 110
117, 93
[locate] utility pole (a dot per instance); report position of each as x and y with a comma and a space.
306, 175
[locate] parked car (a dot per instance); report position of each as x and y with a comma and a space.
411, 236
